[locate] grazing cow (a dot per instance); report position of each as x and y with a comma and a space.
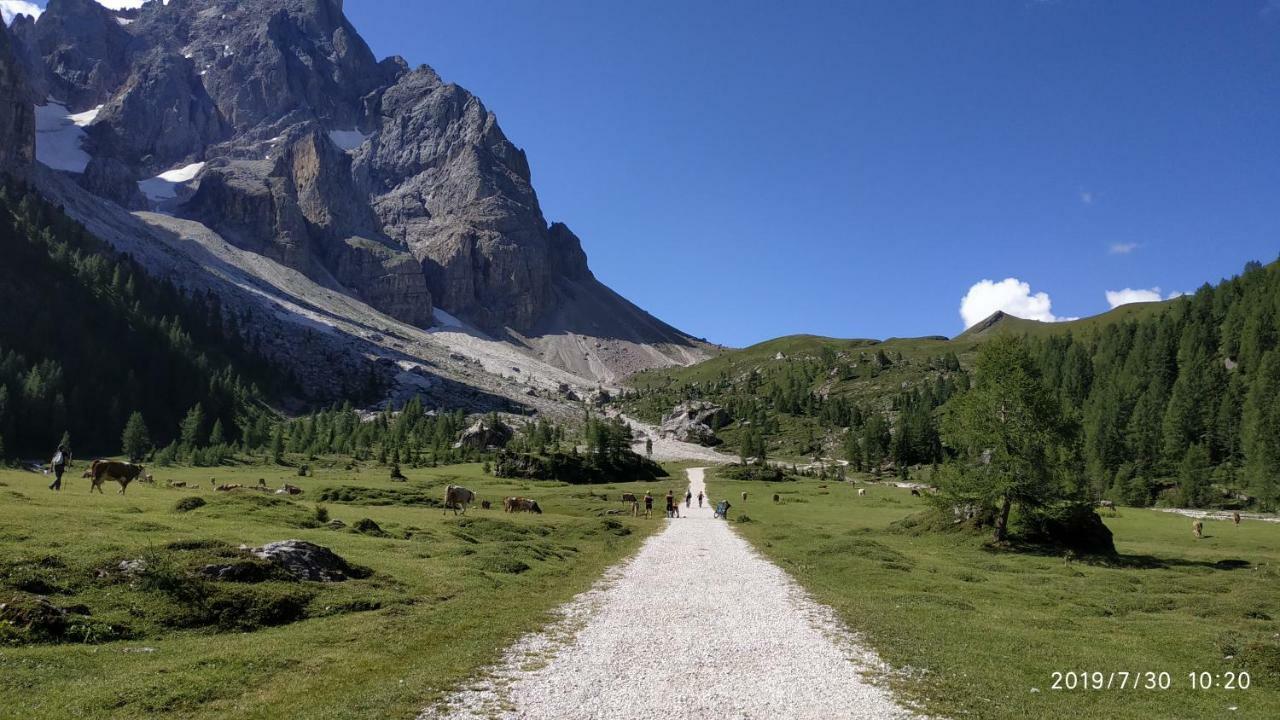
455, 496
1197, 528
484, 505
122, 472
289, 490
915, 492
262, 482
228, 487
520, 504
1235, 518
862, 491
776, 498
628, 497
744, 496
1108, 504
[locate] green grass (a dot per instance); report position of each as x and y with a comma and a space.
446, 595
972, 630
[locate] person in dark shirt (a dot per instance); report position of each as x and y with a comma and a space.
61, 461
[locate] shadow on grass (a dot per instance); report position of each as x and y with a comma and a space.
1118, 561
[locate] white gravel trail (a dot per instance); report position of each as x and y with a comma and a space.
696, 625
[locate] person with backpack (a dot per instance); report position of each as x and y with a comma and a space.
61, 461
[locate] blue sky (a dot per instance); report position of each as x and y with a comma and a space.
753, 169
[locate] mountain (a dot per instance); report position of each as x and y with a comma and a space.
260, 151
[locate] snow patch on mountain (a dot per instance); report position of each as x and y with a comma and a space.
165, 185
59, 134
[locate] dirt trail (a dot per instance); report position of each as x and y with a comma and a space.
696, 625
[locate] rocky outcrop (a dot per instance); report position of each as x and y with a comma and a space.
694, 422
485, 433
84, 51
17, 118
160, 116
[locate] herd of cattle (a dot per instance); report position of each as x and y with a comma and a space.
456, 497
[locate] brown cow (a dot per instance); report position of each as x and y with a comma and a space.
915, 492
484, 505
456, 496
1104, 504
1235, 518
520, 504
628, 497
744, 496
228, 487
122, 472
776, 498
1197, 528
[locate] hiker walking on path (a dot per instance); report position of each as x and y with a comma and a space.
699, 498
61, 460
688, 498
648, 504
671, 503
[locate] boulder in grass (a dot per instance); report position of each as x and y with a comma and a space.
308, 561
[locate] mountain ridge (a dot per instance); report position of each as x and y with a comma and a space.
273, 125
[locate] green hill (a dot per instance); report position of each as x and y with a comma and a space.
1173, 401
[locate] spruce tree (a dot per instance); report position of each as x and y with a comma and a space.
1010, 433
135, 442
1262, 431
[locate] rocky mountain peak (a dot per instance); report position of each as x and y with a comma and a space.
272, 123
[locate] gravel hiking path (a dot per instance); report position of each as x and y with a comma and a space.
696, 625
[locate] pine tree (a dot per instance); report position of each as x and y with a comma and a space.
191, 431
216, 435
1011, 435
135, 442
1262, 431
1194, 477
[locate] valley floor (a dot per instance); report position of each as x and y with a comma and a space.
447, 592
696, 625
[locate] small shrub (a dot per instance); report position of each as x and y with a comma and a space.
366, 526
322, 514
189, 503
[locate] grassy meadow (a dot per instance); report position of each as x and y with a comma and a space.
977, 632
445, 596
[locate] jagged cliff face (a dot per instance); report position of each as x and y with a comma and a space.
271, 122
17, 119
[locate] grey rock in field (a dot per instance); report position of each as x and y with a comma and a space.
132, 567
694, 422
374, 179
308, 561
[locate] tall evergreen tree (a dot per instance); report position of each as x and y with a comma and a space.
135, 441
1011, 435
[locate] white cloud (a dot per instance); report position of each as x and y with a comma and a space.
1010, 295
1123, 248
1086, 197
9, 9
1116, 298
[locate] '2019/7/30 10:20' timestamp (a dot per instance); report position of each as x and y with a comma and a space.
1148, 680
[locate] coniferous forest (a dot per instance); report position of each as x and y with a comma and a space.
88, 339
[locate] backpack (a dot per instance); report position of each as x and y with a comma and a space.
58, 459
